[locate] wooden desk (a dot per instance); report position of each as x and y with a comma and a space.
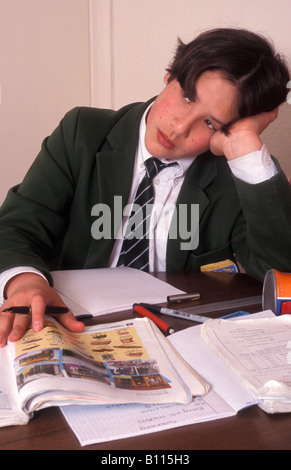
250, 429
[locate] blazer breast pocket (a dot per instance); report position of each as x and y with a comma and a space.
217, 260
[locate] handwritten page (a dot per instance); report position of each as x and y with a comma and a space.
93, 424
108, 290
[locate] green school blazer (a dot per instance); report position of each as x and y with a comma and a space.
46, 221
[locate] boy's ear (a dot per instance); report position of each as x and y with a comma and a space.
166, 78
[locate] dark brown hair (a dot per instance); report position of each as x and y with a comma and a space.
244, 58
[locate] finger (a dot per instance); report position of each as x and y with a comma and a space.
68, 320
19, 327
216, 143
6, 322
70, 323
274, 113
37, 306
265, 119
12, 326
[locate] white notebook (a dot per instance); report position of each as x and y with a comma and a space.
108, 290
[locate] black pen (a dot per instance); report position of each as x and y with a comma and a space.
26, 310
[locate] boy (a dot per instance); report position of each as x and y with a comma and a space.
221, 91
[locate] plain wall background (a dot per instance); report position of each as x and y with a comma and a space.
57, 54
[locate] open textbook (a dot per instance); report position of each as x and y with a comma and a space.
124, 362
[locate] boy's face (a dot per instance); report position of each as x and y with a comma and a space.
177, 127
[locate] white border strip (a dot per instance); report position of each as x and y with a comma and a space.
101, 46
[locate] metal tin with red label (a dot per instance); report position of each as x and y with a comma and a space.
277, 292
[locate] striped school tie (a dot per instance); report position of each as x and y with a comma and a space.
135, 247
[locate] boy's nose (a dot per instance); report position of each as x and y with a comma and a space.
182, 126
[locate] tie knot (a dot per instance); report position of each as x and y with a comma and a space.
154, 166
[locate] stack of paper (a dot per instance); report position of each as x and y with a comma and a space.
259, 353
102, 291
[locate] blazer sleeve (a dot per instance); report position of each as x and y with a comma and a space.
34, 213
262, 238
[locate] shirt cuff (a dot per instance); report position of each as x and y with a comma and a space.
5, 276
254, 167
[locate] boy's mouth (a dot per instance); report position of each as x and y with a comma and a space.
165, 141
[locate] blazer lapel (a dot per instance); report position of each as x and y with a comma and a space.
193, 191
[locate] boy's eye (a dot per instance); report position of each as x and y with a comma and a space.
210, 125
187, 99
